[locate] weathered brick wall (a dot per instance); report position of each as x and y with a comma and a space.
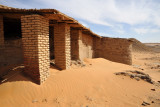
81, 45
35, 39
114, 49
62, 45
11, 53
85, 46
75, 38
1, 31
97, 44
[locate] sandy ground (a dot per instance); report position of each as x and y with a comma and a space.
94, 85
149, 63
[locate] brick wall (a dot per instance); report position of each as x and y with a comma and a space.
1, 31
75, 38
11, 53
62, 45
81, 45
35, 39
85, 46
114, 49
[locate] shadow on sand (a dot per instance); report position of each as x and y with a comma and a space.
16, 73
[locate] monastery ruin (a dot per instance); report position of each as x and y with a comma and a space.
35, 36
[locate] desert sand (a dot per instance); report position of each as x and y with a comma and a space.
94, 85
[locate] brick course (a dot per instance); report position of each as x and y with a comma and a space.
35, 39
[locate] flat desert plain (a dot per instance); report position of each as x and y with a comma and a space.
94, 85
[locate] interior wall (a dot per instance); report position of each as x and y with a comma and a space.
11, 52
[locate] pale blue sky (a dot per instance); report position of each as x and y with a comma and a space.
113, 18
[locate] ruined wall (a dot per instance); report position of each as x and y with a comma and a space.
114, 49
81, 45
85, 46
35, 39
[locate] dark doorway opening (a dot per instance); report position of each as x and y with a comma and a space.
51, 42
13, 52
12, 28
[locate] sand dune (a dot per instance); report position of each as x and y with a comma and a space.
137, 46
94, 85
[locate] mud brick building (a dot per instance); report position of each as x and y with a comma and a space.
34, 36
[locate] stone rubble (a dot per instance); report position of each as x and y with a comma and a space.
137, 75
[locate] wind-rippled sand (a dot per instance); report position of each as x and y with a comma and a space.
94, 85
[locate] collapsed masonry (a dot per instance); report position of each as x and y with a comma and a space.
33, 37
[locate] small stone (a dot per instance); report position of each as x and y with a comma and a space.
153, 89
158, 99
143, 77
150, 81
136, 78
117, 73
83, 65
152, 102
34, 101
138, 75
145, 103
89, 99
132, 76
44, 100
123, 73
78, 62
